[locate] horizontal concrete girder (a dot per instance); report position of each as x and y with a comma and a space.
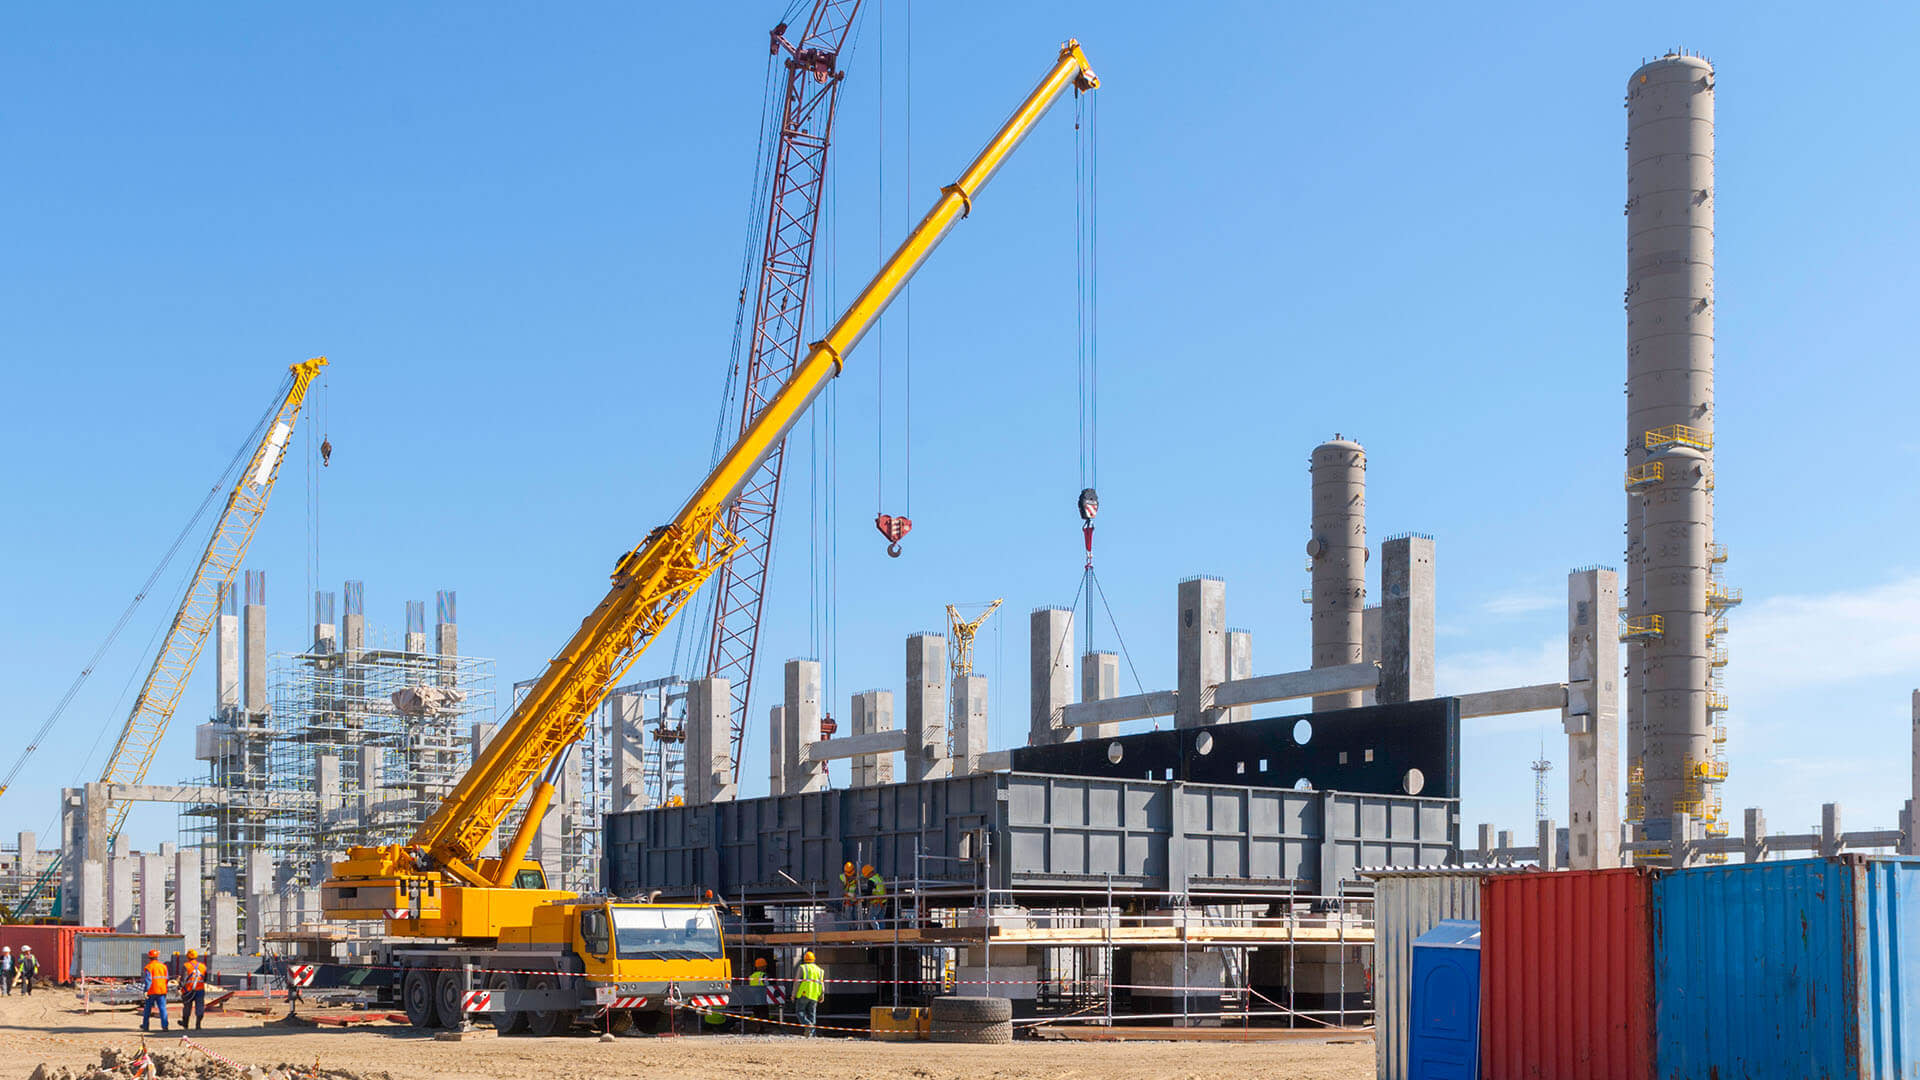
1114, 710
873, 742
1313, 682
994, 761
1546, 697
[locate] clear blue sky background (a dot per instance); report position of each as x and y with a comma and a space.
518, 235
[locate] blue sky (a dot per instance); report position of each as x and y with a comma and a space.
518, 236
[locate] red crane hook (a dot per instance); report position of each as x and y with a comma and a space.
893, 528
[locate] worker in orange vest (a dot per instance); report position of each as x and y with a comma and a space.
193, 992
155, 976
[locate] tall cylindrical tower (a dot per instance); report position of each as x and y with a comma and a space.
1339, 552
1669, 450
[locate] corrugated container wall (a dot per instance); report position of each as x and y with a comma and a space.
1799, 968
1406, 905
53, 945
1567, 976
120, 956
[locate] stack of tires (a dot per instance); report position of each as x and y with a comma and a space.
971, 1020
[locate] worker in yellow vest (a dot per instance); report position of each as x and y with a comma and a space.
755, 999
154, 984
809, 988
849, 892
193, 992
875, 887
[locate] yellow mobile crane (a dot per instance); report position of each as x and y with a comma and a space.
550, 956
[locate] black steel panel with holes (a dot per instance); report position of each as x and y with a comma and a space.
1406, 749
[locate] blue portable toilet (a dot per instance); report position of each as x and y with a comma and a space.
1444, 1013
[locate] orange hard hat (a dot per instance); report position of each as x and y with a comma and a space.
759, 961
866, 869
848, 868
809, 957
153, 954
193, 954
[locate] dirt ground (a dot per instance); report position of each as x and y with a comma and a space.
50, 1028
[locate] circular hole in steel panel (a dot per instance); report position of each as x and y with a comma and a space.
1203, 743
1414, 782
1115, 752
1303, 732
1303, 784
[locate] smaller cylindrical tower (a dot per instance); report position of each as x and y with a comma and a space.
1676, 676
1339, 553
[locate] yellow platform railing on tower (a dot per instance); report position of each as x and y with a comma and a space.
1721, 596
1641, 476
1678, 435
1717, 553
1642, 628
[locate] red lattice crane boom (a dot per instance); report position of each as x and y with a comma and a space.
797, 181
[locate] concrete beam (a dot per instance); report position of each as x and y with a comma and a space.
994, 761
853, 746
1546, 697
1120, 709
1313, 682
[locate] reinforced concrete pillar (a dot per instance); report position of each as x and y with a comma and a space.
259, 872
1100, 680
709, 756
1548, 838
326, 791
416, 639
1049, 675
1338, 549
926, 757
1202, 649
120, 911
226, 654
93, 893
1239, 666
353, 624
1591, 719
153, 894
872, 711
777, 750
627, 715
187, 897
1371, 618
802, 719
371, 772
446, 636
258, 917
223, 936
969, 723
1755, 834
254, 688
1406, 619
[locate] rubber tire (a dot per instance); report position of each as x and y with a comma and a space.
956, 1019
544, 1022
416, 997
512, 1022
619, 1022
446, 999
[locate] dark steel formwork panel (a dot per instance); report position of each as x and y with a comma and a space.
1077, 830
1385, 830
1231, 836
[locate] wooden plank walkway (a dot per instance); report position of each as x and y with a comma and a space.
1077, 936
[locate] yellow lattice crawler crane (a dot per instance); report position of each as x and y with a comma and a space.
549, 956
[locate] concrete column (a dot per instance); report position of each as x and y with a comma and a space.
226, 654
1100, 680
1339, 552
446, 636
777, 750
1591, 719
120, 911
926, 708
153, 893
416, 633
259, 872
93, 893
187, 896
372, 776
1239, 666
259, 917
29, 848
627, 715
969, 723
802, 718
1830, 830
709, 756
1371, 618
1049, 675
223, 936
1680, 841
1548, 838
327, 798
872, 711
1202, 649
1407, 617
254, 684
1485, 833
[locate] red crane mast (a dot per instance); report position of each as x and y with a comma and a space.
779, 318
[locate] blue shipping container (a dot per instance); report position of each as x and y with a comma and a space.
1445, 1010
1793, 969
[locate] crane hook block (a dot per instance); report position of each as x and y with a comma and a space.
1089, 504
894, 529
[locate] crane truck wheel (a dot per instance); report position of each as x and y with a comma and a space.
513, 1022
547, 1021
416, 996
446, 999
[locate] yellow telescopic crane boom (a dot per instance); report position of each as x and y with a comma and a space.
653, 581
226, 548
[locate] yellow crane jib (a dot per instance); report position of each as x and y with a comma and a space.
422, 888
160, 694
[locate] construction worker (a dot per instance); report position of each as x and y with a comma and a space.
27, 968
6, 968
755, 997
155, 987
849, 892
193, 992
809, 988
875, 887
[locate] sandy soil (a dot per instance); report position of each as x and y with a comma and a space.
50, 1028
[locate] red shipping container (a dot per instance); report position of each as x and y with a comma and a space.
53, 945
1566, 961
